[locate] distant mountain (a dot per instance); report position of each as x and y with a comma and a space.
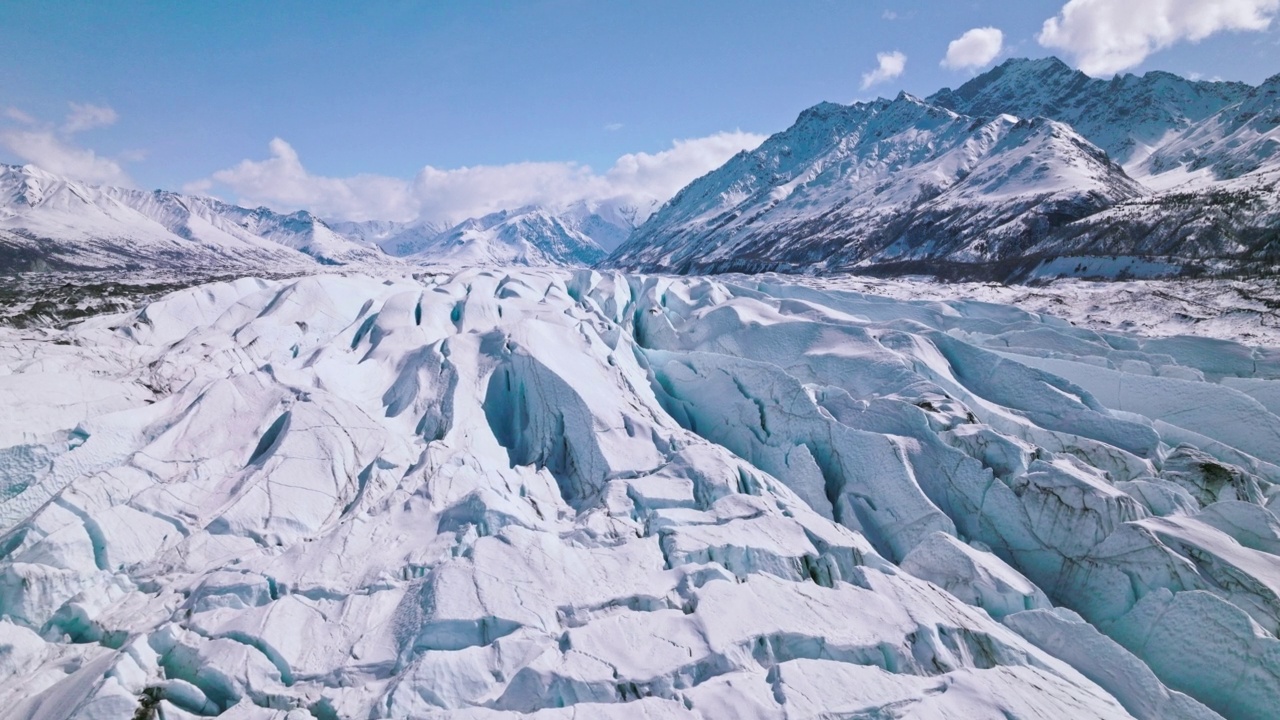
608, 223
393, 238
51, 222
526, 236
48, 221
1012, 173
578, 234
196, 218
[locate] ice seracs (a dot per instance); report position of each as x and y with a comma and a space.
510, 492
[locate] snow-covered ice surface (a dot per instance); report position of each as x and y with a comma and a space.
1246, 310
557, 493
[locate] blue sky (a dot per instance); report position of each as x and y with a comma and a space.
193, 94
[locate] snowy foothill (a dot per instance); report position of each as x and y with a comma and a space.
556, 493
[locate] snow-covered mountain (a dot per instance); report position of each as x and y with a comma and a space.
1126, 116
199, 218
393, 238
890, 179
558, 494
527, 236
608, 223
1239, 139
1014, 172
48, 221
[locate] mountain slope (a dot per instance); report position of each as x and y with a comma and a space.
1239, 139
49, 221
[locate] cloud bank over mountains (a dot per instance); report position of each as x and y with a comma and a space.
639, 180
54, 147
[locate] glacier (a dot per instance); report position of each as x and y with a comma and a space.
555, 493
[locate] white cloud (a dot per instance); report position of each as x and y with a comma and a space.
53, 148
974, 49
281, 181
454, 195
88, 116
50, 152
890, 65
1107, 36
659, 176
17, 115
639, 179
613, 127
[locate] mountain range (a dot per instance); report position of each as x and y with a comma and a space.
1029, 169
52, 222
1021, 167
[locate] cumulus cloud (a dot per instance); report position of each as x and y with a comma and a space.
46, 149
889, 66
281, 181
646, 177
451, 195
974, 49
1107, 36
88, 116
53, 148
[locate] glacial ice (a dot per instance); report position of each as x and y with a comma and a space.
558, 493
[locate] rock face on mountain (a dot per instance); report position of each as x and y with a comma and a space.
1015, 172
545, 493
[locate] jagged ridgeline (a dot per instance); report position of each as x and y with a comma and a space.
1029, 169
